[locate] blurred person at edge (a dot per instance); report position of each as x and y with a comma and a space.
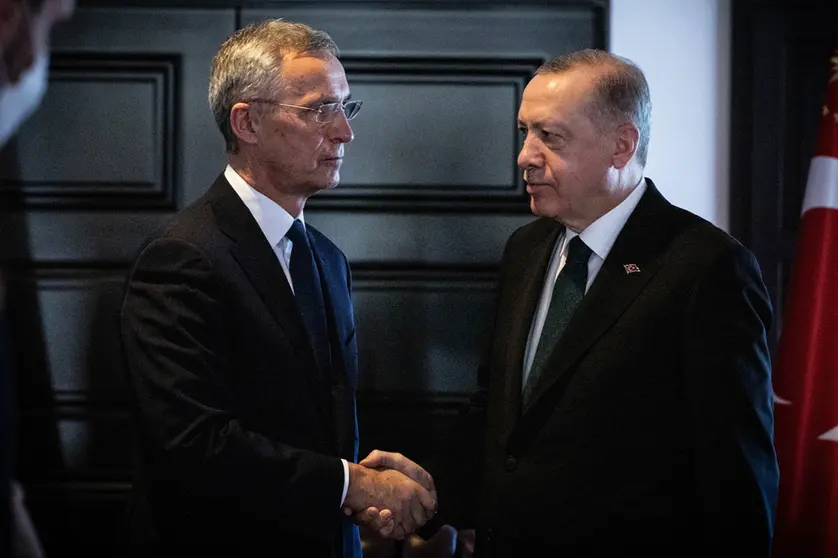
25, 27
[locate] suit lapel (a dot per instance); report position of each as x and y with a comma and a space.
641, 242
259, 262
526, 299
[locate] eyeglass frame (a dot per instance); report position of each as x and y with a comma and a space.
319, 110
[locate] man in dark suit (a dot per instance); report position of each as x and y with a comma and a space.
239, 335
25, 29
626, 402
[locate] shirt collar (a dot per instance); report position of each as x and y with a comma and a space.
274, 221
600, 235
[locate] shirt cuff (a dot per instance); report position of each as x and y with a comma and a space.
345, 480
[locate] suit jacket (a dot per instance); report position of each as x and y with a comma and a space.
239, 433
652, 427
6, 436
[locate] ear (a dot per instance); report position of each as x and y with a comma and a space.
625, 146
244, 123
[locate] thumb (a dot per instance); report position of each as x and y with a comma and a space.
375, 459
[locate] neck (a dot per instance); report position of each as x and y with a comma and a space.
260, 179
623, 184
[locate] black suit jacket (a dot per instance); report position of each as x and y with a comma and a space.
652, 429
239, 433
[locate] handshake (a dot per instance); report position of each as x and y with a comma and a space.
390, 494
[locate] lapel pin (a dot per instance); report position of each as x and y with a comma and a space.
631, 268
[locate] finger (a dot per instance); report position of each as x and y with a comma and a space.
427, 499
429, 514
374, 460
467, 539
416, 473
399, 532
407, 517
417, 514
388, 524
368, 517
385, 523
379, 522
411, 469
433, 512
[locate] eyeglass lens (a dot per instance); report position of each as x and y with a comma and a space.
329, 110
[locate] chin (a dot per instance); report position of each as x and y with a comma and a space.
542, 208
326, 183
332, 180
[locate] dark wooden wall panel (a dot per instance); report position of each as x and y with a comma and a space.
100, 153
399, 312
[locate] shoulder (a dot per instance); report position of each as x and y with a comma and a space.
195, 225
700, 239
684, 235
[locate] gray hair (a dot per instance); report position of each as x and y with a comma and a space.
621, 91
248, 65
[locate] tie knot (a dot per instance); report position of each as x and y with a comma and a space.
577, 251
297, 233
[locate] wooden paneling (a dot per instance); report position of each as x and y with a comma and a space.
399, 312
101, 155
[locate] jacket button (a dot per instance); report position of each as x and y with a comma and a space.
511, 463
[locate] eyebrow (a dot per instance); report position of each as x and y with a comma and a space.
548, 125
327, 99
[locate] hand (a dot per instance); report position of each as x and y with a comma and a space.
442, 545
378, 459
467, 539
388, 489
382, 460
373, 519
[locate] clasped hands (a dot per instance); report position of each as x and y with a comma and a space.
390, 494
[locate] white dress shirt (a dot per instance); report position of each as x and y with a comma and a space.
599, 236
275, 223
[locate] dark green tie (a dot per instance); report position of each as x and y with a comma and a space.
567, 294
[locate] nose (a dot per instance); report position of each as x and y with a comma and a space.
341, 130
530, 156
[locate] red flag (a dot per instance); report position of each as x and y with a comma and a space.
806, 371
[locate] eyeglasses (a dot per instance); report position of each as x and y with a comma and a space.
324, 113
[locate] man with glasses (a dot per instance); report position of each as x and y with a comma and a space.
238, 332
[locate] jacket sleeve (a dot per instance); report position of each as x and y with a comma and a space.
178, 364
727, 371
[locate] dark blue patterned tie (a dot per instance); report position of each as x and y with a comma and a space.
308, 292
567, 294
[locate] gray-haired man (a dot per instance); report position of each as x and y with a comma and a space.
239, 334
